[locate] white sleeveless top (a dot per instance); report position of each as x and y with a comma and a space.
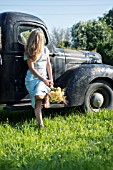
40, 65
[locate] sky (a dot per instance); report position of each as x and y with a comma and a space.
60, 13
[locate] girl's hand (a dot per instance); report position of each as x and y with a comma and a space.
49, 83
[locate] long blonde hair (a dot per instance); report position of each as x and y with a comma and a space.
34, 45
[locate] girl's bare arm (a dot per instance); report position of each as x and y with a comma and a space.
49, 70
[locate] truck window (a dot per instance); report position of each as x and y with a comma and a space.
0, 38
24, 31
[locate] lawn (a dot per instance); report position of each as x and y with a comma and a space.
71, 140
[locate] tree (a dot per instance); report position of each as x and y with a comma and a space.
79, 37
67, 38
87, 35
60, 37
106, 50
108, 18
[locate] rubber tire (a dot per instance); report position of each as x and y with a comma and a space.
105, 89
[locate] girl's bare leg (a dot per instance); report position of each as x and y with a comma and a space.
38, 112
46, 103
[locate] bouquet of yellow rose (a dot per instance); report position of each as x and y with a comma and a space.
57, 95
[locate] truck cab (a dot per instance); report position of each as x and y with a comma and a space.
75, 70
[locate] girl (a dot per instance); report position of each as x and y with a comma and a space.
37, 84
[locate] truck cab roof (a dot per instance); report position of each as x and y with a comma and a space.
19, 16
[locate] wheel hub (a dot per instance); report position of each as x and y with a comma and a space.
97, 100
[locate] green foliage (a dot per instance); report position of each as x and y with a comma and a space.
95, 35
106, 50
87, 35
72, 141
108, 18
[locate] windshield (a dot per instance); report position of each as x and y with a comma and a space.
24, 32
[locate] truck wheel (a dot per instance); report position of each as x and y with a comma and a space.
99, 95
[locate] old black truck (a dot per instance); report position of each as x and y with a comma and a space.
88, 83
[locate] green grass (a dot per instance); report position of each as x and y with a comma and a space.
70, 141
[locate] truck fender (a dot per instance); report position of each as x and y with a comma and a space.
76, 81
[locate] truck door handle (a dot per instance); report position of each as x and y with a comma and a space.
18, 56
0, 59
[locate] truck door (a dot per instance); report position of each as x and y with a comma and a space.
21, 34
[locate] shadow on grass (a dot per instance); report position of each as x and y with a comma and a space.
20, 114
